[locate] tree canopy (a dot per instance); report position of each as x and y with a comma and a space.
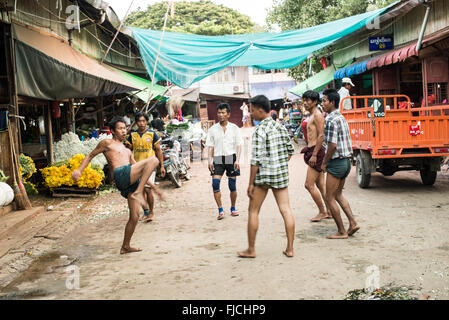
299, 14
202, 17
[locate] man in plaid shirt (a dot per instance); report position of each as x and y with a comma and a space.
271, 151
337, 164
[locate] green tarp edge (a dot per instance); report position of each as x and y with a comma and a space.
317, 82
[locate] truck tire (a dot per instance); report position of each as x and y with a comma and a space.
362, 171
428, 177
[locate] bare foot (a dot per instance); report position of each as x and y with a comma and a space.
246, 254
353, 230
147, 219
328, 216
320, 216
288, 253
338, 236
129, 250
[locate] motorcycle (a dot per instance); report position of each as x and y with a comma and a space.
174, 164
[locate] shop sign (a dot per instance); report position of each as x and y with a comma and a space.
381, 43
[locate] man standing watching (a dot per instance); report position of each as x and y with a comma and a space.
336, 163
314, 154
225, 145
145, 144
346, 85
271, 152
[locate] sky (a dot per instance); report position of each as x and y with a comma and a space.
255, 9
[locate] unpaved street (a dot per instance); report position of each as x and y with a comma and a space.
188, 254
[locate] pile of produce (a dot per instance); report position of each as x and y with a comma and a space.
61, 174
177, 126
27, 169
70, 145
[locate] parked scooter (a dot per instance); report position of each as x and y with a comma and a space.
174, 164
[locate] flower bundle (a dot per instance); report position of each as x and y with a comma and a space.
57, 176
70, 145
27, 169
27, 166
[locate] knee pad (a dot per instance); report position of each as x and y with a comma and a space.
216, 185
232, 185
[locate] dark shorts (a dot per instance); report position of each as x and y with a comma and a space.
308, 152
122, 177
339, 168
225, 163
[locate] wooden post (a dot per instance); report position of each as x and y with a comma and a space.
49, 134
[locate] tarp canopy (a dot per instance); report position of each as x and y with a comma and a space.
50, 69
143, 85
273, 90
351, 70
187, 58
317, 82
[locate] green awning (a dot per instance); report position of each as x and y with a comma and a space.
317, 83
142, 84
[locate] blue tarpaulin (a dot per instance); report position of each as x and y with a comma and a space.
187, 58
351, 70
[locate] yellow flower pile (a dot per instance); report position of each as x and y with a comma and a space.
62, 176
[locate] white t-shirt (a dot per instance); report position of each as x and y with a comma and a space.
343, 92
244, 108
224, 144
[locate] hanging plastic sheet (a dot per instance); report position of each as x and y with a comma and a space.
187, 58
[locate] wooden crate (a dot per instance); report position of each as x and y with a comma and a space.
73, 192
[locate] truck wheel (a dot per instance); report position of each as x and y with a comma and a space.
363, 174
428, 177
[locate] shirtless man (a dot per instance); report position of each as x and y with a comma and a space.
126, 175
314, 156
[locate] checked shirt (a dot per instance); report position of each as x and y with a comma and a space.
337, 131
271, 147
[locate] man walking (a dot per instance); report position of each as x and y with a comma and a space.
346, 84
225, 145
130, 177
337, 163
271, 151
145, 144
314, 154
246, 115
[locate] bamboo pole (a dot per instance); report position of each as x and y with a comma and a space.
169, 6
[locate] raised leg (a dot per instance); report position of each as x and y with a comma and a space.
283, 202
253, 221
142, 170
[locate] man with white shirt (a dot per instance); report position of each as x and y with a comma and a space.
346, 84
225, 144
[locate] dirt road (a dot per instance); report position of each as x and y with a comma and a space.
188, 254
